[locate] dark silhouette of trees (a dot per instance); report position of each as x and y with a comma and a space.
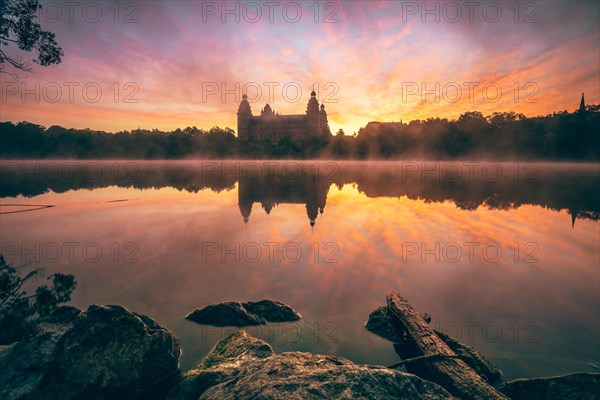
19, 26
340, 145
455, 142
500, 136
20, 310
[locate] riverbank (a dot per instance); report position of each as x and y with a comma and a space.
109, 352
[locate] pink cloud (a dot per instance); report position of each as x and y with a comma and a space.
369, 54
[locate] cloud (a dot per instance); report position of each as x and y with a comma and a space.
371, 53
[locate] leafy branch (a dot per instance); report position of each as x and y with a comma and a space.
20, 310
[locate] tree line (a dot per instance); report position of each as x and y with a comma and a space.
500, 136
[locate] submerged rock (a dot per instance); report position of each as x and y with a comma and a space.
579, 386
106, 352
244, 314
241, 367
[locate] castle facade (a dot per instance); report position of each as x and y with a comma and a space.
275, 127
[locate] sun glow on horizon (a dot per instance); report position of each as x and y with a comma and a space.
177, 67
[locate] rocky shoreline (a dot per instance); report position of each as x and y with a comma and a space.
109, 352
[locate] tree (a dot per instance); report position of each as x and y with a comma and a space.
339, 146
19, 26
455, 142
21, 311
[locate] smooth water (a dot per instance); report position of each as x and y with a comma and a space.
504, 257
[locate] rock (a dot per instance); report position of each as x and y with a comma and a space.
106, 352
579, 386
238, 346
241, 366
224, 314
244, 314
382, 324
272, 311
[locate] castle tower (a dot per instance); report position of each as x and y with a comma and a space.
324, 124
582, 104
246, 210
267, 111
312, 211
267, 206
312, 114
244, 115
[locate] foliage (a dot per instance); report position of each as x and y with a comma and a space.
19, 26
20, 310
500, 136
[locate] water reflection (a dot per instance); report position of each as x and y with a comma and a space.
304, 187
469, 185
533, 310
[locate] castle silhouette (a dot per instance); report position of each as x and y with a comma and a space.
273, 126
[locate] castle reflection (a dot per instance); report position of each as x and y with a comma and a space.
276, 188
469, 185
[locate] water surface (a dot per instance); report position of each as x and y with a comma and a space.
504, 257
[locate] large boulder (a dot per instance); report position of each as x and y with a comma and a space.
106, 352
241, 367
244, 314
579, 386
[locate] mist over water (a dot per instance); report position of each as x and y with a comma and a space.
503, 256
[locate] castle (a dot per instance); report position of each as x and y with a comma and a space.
272, 126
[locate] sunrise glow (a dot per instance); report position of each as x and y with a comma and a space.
169, 65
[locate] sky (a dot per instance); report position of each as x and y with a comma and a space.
173, 64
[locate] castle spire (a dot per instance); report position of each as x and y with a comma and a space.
573, 213
312, 115
582, 104
244, 115
245, 209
